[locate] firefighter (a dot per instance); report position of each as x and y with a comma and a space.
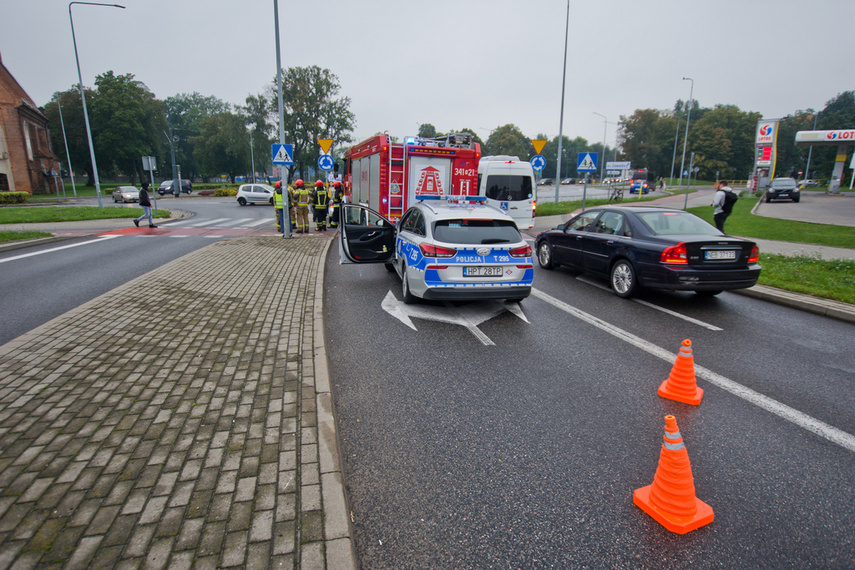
301, 194
335, 201
292, 210
278, 204
320, 203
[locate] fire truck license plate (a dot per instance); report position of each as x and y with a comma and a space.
482, 271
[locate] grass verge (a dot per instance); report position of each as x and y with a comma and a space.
15, 236
826, 278
46, 214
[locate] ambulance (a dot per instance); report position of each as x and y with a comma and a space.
508, 184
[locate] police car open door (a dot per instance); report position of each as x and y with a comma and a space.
365, 236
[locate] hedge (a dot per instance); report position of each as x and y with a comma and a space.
14, 197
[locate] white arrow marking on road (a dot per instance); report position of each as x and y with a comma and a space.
469, 316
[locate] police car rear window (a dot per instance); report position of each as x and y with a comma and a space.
481, 231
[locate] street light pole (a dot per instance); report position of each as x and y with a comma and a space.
65, 140
603, 159
561, 120
286, 229
674, 158
251, 154
83, 96
686, 139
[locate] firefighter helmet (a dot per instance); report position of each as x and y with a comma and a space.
278, 184
336, 184
319, 183
299, 183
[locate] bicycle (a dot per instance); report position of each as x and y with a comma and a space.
616, 194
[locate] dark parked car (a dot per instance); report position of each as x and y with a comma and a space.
546, 182
783, 188
660, 248
166, 187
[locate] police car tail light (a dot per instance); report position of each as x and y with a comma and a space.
524, 251
675, 254
431, 250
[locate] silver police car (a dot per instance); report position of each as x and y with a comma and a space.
442, 250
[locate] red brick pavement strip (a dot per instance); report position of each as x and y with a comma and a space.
181, 420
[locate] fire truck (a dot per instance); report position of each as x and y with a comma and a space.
390, 177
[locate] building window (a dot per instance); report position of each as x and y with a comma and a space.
4, 183
27, 140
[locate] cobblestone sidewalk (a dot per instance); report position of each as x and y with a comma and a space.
181, 420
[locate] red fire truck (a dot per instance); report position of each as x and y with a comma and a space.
390, 177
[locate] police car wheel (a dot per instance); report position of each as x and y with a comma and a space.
389, 267
409, 298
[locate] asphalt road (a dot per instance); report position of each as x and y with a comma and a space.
525, 453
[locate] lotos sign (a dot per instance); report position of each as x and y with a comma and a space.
836, 137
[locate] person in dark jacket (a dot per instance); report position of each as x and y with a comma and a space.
146, 206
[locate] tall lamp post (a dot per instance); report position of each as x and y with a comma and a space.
686, 139
561, 120
83, 96
674, 158
603, 159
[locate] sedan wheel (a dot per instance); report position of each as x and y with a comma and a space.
544, 255
409, 298
623, 279
242, 201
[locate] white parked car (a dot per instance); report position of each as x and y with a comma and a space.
255, 194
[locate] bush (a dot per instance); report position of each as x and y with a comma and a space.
225, 192
14, 197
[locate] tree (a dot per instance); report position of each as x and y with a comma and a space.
222, 145
75, 130
723, 141
646, 139
258, 113
427, 131
570, 150
313, 111
186, 113
509, 140
839, 113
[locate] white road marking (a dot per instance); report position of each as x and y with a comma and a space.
585, 279
813, 425
469, 316
237, 222
209, 223
23, 256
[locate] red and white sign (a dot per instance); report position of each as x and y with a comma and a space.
766, 132
430, 183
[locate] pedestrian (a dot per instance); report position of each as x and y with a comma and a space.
723, 203
301, 194
146, 206
278, 205
335, 202
320, 204
333, 176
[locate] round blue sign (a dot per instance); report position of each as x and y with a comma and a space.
325, 162
538, 163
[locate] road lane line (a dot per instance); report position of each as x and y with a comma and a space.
208, 223
56, 249
811, 424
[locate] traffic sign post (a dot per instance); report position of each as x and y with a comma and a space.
538, 162
325, 162
283, 154
587, 162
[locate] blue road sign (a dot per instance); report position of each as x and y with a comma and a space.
587, 162
325, 162
283, 153
538, 163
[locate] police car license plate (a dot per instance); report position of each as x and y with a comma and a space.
725, 254
494, 271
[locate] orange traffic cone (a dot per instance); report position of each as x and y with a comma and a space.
671, 498
681, 384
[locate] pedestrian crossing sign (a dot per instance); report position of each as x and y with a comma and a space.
283, 153
587, 162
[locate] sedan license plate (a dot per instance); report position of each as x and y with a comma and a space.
720, 254
494, 271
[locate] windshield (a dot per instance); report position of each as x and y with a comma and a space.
786, 183
508, 187
472, 232
675, 223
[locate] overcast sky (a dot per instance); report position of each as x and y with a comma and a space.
454, 63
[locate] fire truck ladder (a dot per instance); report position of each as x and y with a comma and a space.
397, 186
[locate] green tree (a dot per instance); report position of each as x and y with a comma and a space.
75, 131
258, 116
222, 146
509, 140
186, 113
427, 131
646, 139
839, 113
570, 149
723, 141
313, 110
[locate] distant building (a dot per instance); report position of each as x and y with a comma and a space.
26, 157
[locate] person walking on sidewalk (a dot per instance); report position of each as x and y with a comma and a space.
301, 193
146, 206
723, 203
320, 203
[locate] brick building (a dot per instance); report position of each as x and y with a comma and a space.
26, 157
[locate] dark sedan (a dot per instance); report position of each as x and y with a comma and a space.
660, 248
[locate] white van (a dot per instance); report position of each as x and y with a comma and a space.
508, 184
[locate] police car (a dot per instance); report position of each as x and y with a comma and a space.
443, 250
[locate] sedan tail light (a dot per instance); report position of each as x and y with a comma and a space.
431, 250
755, 254
524, 251
675, 254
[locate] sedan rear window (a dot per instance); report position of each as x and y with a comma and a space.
778, 184
476, 231
675, 223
